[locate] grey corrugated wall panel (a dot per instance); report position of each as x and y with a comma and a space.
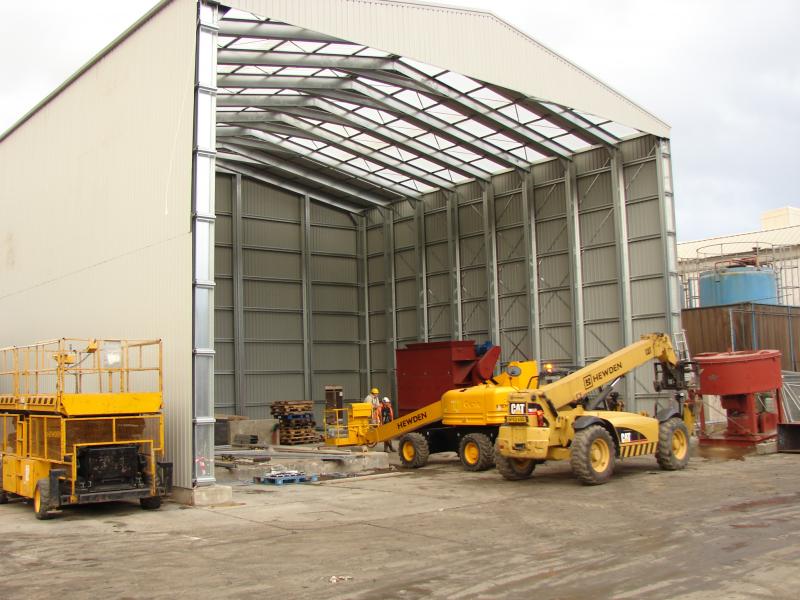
97, 215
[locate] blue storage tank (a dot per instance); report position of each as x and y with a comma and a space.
733, 285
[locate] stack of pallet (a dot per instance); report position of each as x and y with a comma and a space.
296, 421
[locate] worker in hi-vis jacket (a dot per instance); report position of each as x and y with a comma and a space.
387, 415
374, 399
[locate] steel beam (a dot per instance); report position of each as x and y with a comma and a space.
422, 272
331, 138
270, 58
531, 268
332, 112
273, 31
565, 119
454, 253
237, 256
390, 299
258, 175
575, 263
415, 116
366, 380
442, 128
305, 276
618, 195
666, 207
484, 114
277, 145
271, 160
490, 245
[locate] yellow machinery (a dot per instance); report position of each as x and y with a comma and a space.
560, 421
464, 420
81, 422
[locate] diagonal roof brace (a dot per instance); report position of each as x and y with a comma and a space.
361, 123
273, 30
264, 177
409, 78
419, 118
343, 187
359, 149
278, 144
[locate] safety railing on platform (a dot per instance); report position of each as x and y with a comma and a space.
80, 366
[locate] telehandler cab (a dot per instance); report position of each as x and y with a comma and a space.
559, 420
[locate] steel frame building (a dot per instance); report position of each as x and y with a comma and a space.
286, 191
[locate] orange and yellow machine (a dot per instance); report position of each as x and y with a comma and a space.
81, 422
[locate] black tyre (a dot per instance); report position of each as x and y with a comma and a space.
592, 455
476, 452
672, 452
413, 450
151, 503
41, 500
513, 469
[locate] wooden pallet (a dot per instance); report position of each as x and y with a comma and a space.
284, 407
306, 438
280, 479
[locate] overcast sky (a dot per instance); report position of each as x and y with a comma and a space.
724, 74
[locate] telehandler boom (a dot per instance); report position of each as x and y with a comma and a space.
560, 421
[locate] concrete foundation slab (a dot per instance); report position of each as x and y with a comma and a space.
207, 495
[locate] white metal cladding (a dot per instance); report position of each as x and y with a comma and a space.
106, 229
446, 36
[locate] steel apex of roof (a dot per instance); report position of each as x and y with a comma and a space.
475, 43
355, 125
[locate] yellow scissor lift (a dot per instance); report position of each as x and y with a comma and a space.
81, 423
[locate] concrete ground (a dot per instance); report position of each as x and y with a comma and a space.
720, 529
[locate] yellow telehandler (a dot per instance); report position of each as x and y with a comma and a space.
463, 420
565, 420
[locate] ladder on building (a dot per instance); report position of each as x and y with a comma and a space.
681, 347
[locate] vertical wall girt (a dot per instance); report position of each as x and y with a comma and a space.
390, 303
422, 272
575, 262
362, 251
531, 267
490, 244
305, 269
203, 218
623, 258
237, 235
454, 253
670, 251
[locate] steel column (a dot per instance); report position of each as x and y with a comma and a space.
305, 276
454, 253
366, 377
203, 218
531, 268
575, 264
490, 245
422, 272
390, 303
237, 236
667, 214
619, 196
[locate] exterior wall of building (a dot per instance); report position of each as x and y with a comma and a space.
95, 238
430, 276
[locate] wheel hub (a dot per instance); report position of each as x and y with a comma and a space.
599, 455
679, 445
471, 452
408, 451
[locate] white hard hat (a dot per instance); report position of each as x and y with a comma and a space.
385, 399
